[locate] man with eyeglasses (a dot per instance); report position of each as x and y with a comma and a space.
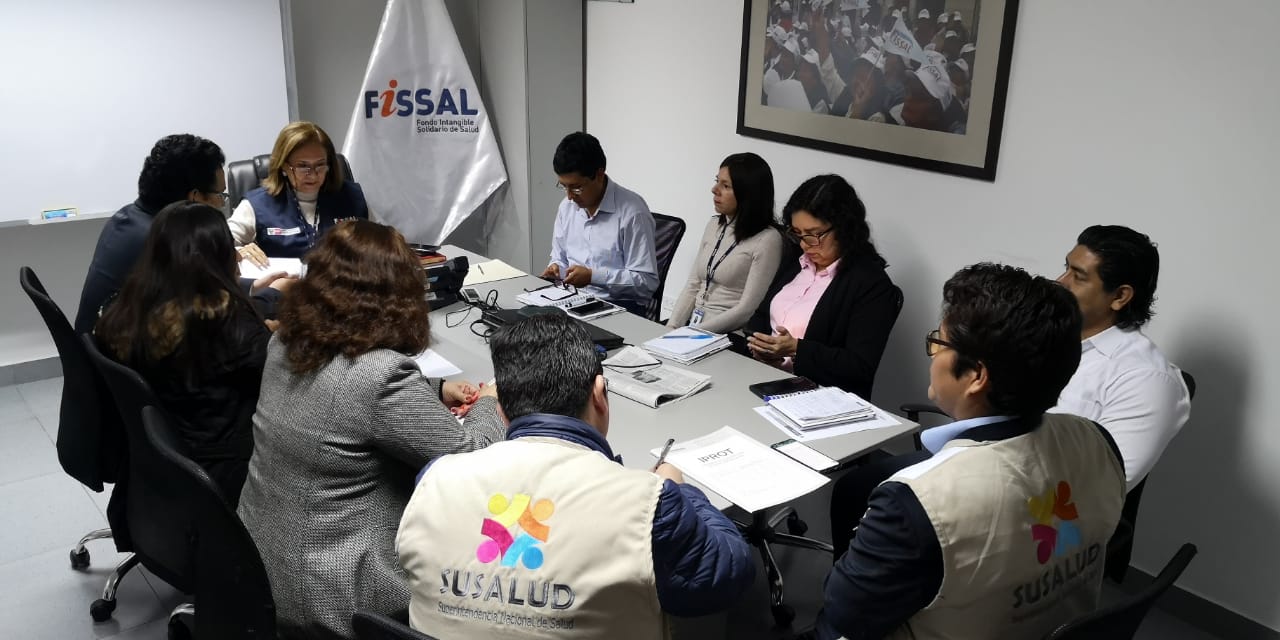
179, 167
1001, 531
603, 239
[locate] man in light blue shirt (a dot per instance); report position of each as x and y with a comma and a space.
603, 241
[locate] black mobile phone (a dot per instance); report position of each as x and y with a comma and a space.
588, 308
805, 455
782, 387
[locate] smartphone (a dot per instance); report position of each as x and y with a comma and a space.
588, 308
802, 453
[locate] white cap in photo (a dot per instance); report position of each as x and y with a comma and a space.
968, 46
924, 14
956, 16
778, 35
786, 6
793, 46
897, 13
932, 56
811, 56
942, 18
951, 34
846, 32
964, 66
875, 57
937, 82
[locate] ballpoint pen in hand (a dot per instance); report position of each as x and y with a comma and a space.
662, 457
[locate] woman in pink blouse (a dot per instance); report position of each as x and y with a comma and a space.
828, 313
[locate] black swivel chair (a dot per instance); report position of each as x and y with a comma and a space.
232, 592
1120, 546
91, 439
376, 626
245, 175
668, 230
762, 532
1121, 621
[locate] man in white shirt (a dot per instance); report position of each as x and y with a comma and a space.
1123, 383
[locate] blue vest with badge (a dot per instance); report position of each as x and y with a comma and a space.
283, 232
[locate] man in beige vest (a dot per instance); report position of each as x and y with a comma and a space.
546, 535
1002, 532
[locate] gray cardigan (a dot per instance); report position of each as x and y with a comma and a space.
740, 282
334, 460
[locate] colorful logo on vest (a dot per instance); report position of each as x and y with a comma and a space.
1054, 506
521, 547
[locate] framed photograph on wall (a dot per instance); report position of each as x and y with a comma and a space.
920, 83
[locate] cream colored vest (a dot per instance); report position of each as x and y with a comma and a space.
532, 538
1023, 524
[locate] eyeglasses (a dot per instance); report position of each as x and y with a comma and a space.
933, 343
568, 289
577, 191
223, 196
808, 239
309, 170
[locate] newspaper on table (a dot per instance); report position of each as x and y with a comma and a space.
634, 374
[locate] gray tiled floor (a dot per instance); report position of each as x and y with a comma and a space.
45, 512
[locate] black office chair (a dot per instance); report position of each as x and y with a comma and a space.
232, 594
244, 176
668, 230
1121, 621
91, 439
1120, 546
762, 532
376, 626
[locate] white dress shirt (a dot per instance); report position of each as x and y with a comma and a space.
1125, 384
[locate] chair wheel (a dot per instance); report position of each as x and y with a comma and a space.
101, 609
178, 630
796, 526
783, 614
80, 560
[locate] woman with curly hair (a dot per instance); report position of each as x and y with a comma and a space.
344, 422
828, 313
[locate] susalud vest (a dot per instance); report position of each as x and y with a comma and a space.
282, 230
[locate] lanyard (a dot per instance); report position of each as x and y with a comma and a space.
310, 231
713, 267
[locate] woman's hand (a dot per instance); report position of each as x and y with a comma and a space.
772, 348
278, 280
253, 254
456, 394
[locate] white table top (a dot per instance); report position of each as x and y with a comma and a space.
634, 428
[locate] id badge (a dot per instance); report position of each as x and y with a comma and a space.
696, 318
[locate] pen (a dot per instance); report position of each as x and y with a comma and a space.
481, 269
697, 337
662, 457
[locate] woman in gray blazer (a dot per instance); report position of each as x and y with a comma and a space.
740, 250
344, 422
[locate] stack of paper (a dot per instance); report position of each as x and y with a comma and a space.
289, 266
745, 472
687, 344
821, 408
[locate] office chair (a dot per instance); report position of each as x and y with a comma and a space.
91, 445
668, 230
1121, 621
376, 626
762, 532
1120, 546
232, 593
244, 176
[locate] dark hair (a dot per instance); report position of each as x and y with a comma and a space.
364, 290
182, 290
1125, 257
1024, 329
753, 189
831, 199
579, 152
544, 364
178, 164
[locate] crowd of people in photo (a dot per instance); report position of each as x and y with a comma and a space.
369, 487
874, 60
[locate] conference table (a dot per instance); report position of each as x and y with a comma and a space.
634, 428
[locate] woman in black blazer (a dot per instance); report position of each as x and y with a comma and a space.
830, 308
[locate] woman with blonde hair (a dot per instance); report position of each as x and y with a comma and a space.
345, 421
304, 194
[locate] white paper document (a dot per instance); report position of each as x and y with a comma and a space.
742, 470
491, 271
291, 266
780, 421
634, 374
434, 365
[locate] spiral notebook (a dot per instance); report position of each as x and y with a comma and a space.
821, 407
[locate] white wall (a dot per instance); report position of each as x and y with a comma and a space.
1155, 114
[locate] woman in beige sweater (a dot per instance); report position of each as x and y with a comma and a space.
740, 250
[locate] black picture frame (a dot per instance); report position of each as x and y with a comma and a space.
974, 154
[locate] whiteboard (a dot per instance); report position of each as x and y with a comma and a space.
88, 86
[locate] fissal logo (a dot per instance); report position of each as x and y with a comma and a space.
394, 101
